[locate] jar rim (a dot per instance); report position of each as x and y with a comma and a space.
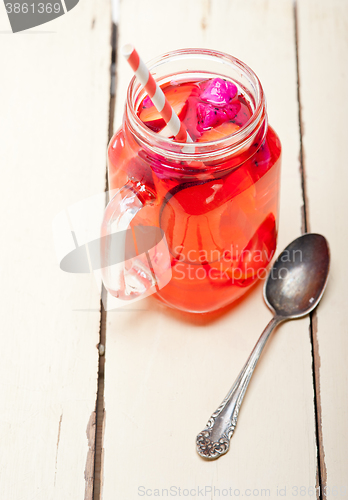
226, 146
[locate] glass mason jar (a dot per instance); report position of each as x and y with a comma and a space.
216, 203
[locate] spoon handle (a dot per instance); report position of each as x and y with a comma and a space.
214, 440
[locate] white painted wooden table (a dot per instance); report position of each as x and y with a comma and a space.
292, 438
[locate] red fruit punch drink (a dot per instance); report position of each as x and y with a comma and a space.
216, 201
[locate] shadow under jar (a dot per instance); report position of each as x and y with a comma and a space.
216, 202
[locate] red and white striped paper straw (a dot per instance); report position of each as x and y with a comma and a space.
156, 94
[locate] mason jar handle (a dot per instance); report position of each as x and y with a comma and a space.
135, 260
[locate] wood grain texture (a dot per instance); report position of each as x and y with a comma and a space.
54, 123
323, 51
166, 372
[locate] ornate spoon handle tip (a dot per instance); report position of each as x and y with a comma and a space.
214, 440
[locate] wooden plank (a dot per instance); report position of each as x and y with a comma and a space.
165, 371
323, 52
54, 122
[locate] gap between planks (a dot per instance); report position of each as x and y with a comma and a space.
100, 403
321, 479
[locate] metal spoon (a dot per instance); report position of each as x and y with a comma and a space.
293, 288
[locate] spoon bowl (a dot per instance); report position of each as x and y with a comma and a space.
298, 277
